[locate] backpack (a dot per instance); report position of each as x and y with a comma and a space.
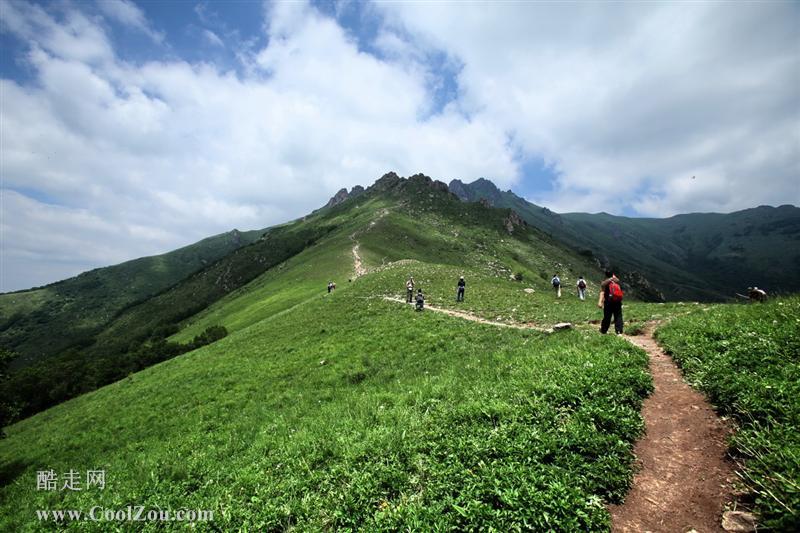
615, 293
556, 281
582, 284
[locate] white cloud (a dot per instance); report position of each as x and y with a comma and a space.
129, 14
112, 160
629, 102
167, 152
213, 38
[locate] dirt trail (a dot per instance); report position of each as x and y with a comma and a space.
473, 318
685, 479
358, 264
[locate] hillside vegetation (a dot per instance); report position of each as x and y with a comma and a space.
746, 358
349, 411
705, 256
79, 307
248, 390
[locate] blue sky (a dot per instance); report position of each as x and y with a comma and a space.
133, 128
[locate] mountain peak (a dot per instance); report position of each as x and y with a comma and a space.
480, 189
343, 195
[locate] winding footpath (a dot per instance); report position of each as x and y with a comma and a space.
471, 317
684, 479
358, 264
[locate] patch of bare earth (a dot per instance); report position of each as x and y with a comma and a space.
684, 478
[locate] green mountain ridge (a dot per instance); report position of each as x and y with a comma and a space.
703, 256
77, 308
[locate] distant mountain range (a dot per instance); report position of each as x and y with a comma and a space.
697, 256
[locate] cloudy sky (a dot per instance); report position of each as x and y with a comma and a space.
130, 129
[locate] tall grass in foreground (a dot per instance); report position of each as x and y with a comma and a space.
747, 359
352, 413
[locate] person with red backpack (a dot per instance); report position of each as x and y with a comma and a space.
611, 303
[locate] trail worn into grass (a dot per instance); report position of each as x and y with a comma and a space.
684, 478
473, 318
358, 264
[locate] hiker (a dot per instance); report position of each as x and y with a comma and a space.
610, 301
330, 287
420, 300
461, 286
756, 294
409, 289
556, 281
581, 288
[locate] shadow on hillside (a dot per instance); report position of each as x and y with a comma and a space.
11, 470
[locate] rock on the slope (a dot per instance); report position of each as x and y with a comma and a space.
529, 290
440, 186
513, 221
562, 325
738, 521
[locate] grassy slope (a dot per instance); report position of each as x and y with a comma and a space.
413, 420
434, 231
435, 421
78, 306
747, 359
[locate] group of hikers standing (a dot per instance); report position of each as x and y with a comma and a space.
461, 286
609, 300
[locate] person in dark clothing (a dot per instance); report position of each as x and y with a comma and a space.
420, 300
611, 303
330, 287
461, 286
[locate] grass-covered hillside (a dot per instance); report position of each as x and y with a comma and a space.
746, 358
707, 256
395, 219
350, 411
39, 323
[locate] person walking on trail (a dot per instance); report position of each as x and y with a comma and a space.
410, 289
556, 281
610, 301
461, 286
330, 287
581, 288
420, 300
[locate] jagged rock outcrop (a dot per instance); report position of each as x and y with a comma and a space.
343, 195
513, 221
458, 188
642, 287
338, 198
440, 186
386, 182
235, 236
421, 179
